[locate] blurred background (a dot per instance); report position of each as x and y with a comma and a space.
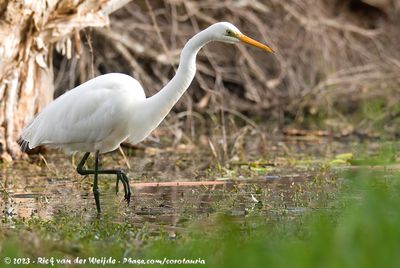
332, 57
335, 71
298, 148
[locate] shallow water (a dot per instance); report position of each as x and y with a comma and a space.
287, 179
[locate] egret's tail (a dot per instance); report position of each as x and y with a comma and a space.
24, 144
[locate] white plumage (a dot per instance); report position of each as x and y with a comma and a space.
93, 116
100, 114
103, 112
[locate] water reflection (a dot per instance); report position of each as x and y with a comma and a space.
44, 189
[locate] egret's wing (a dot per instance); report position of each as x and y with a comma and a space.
86, 114
79, 116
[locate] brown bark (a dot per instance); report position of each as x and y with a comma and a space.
382, 4
29, 31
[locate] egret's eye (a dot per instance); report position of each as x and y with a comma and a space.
229, 32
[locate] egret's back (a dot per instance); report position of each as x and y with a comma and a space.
86, 117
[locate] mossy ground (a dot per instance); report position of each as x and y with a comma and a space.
293, 209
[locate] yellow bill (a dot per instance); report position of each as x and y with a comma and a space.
255, 43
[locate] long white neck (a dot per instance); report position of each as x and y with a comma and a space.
159, 105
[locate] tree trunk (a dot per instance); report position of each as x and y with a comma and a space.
29, 31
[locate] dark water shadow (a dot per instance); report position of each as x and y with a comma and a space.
289, 181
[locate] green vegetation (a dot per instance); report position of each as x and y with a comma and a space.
345, 218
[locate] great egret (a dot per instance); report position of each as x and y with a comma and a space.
98, 115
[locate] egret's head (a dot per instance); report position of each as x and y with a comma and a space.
228, 33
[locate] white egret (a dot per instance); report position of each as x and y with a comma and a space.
98, 115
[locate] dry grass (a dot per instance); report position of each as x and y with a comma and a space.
331, 56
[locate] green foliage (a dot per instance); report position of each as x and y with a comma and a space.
357, 228
365, 234
384, 156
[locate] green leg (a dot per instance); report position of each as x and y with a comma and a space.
120, 176
95, 182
